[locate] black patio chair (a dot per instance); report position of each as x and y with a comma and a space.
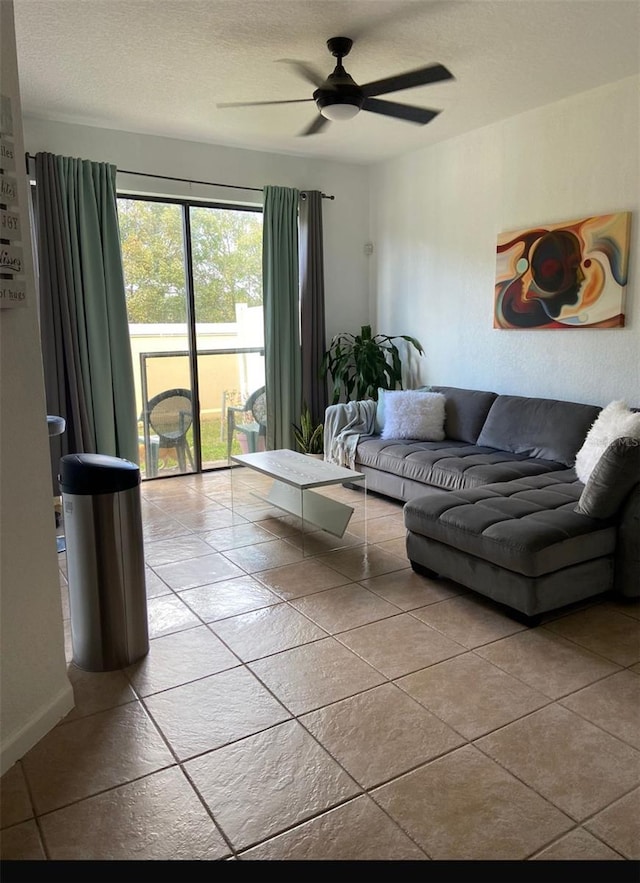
253, 429
169, 416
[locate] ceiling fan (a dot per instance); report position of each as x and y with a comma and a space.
339, 97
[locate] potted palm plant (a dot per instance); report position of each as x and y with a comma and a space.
309, 436
360, 364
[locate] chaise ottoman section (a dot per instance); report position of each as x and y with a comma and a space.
519, 542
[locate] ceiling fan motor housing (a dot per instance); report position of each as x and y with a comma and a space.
339, 90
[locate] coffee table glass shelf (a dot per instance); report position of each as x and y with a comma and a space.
296, 479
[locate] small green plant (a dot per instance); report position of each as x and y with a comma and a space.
360, 364
309, 436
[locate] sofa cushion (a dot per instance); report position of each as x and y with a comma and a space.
614, 421
613, 477
542, 428
465, 411
450, 465
414, 414
529, 526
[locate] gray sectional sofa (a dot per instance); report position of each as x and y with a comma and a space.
493, 505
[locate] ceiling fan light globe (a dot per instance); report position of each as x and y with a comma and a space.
337, 112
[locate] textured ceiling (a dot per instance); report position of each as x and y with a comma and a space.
162, 66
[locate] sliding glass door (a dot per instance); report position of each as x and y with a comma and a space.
194, 297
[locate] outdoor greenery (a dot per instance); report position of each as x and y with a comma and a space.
360, 364
227, 261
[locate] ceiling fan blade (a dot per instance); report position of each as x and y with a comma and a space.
418, 115
419, 77
316, 126
306, 71
258, 103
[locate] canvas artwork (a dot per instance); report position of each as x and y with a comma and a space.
569, 275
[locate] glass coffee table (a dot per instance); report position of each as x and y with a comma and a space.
294, 480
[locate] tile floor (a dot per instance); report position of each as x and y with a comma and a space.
333, 705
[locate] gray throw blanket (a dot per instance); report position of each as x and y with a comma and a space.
343, 426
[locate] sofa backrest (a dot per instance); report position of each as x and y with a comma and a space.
543, 428
465, 411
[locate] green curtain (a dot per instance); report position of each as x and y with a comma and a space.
84, 328
281, 315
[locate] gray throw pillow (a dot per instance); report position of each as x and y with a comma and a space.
612, 478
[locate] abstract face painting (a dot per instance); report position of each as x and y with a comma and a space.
569, 275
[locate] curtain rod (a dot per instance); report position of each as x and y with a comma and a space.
189, 180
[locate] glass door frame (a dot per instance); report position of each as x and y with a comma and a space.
192, 352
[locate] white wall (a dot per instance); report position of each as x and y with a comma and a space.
345, 219
436, 215
34, 687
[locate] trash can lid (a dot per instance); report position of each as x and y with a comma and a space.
96, 474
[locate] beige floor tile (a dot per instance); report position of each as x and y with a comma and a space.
15, 804
198, 571
228, 597
547, 662
380, 734
238, 535
619, 825
399, 645
472, 695
394, 547
363, 562
96, 691
628, 606
469, 620
463, 806
173, 549
344, 607
262, 785
162, 527
303, 578
409, 590
320, 542
158, 817
603, 630
314, 675
276, 553
568, 760
211, 712
273, 520
266, 631
381, 528
167, 614
178, 658
206, 519
154, 585
356, 831
64, 600
21, 843
82, 757
613, 704
578, 846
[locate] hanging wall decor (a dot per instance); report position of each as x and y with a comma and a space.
568, 275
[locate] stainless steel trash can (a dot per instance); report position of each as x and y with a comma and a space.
105, 560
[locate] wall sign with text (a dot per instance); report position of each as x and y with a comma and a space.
13, 290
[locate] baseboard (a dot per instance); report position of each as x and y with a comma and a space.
35, 729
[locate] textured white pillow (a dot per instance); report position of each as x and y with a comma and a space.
383, 395
410, 413
614, 421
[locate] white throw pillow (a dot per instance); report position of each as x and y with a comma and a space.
383, 395
410, 413
614, 421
